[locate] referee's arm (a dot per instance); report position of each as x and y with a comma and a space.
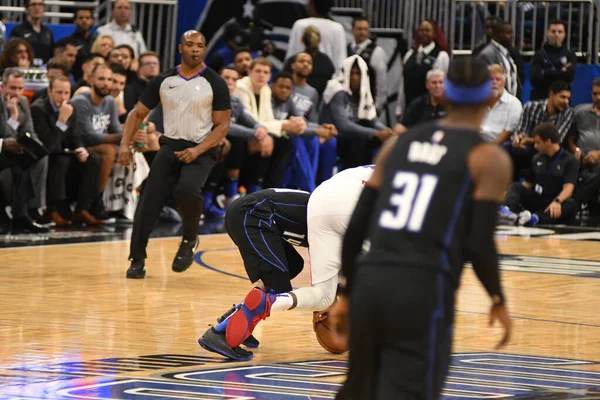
134, 120
149, 100
221, 121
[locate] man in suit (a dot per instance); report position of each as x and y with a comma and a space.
68, 157
27, 184
498, 52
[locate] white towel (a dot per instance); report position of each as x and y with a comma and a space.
366, 105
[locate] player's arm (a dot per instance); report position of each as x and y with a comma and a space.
491, 169
359, 222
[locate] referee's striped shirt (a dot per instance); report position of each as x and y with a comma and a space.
187, 103
536, 112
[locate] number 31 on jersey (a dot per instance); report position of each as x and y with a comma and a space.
409, 202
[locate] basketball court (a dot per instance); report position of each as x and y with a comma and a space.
72, 326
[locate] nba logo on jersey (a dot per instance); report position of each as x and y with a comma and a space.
437, 137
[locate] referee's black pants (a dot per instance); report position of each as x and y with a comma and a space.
401, 320
169, 175
267, 256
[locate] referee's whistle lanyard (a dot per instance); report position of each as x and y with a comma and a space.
552, 66
549, 171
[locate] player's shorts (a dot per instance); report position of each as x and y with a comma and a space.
267, 256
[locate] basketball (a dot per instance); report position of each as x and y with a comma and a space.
331, 333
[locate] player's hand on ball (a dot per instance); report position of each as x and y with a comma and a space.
499, 312
187, 155
125, 157
338, 316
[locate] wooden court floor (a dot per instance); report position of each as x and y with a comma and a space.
72, 326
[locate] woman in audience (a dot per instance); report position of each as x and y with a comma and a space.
103, 45
17, 53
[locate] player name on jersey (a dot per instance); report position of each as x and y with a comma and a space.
428, 153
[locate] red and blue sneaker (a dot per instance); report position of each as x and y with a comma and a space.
256, 307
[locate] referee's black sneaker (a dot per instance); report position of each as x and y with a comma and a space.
136, 270
185, 255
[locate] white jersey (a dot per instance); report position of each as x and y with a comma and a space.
329, 210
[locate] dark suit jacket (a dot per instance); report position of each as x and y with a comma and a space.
55, 140
25, 121
492, 55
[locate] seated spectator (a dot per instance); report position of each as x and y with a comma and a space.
430, 53
585, 146
304, 159
246, 135
242, 59
28, 184
546, 195
89, 64
323, 67
553, 62
123, 55
375, 57
306, 100
103, 45
149, 67
121, 31
82, 38
67, 51
54, 69
427, 107
39, 36
17, 53
348, 104
119, 80
332, 39
555, 109
497, 52
503, 115
53, 122
255, 94
97, 121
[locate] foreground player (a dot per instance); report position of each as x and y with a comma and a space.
430, 205
329, 209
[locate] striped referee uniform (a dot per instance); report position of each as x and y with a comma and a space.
188, 105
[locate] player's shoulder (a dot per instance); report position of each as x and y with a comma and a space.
488, 159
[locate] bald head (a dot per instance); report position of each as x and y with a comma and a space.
192, 49
192, 35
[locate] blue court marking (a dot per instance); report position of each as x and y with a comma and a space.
198, 259
471, 376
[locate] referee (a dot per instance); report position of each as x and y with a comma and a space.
197, 112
